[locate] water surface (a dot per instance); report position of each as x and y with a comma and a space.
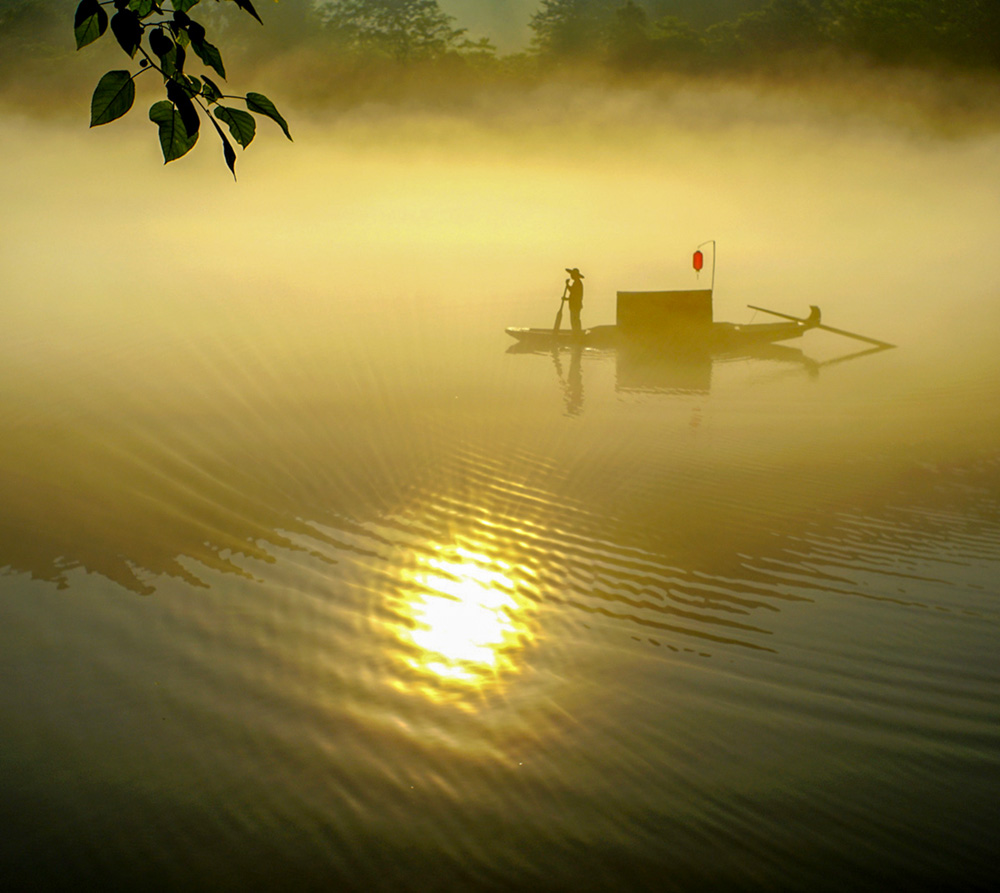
310, 582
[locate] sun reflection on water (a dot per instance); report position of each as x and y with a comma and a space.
463, 621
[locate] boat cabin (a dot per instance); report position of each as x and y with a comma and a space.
665, 314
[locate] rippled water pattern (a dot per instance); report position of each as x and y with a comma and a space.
337, 593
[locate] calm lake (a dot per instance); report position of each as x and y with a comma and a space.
310, 583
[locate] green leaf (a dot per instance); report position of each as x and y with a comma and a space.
127, 28
141, 7
113, 97
210, 91
171, 55
247, 6
181, 99
241, 125
209, 55
228, 152
168, 62
259, 103
174, 138
159, 43
195, 31
184, 5
89, 23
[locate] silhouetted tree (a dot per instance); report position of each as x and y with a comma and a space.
639, 33
629, 43
571, 27
887, 30
700, 14
779, 27
962, 32
160, 34
635, 42
677, 44
620, 32
980, 42
400, 29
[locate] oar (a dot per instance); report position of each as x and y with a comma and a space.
875, 341
562, 302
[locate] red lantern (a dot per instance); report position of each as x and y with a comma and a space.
699, 261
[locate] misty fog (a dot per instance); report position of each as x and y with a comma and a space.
312, 579
402, 230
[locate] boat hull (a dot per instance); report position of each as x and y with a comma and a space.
719, 337
598, 336
730, 336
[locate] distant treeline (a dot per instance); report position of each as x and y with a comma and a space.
638, 34
344, 49
635, 35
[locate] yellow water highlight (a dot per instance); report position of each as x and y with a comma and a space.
462, 621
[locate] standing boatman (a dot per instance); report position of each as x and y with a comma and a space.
574, 287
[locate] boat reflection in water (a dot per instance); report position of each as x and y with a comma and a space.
460, 624
667, 342
643, 367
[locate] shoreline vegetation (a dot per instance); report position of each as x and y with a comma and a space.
926, 64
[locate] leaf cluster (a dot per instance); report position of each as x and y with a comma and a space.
161, 34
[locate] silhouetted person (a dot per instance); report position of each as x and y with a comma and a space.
575, 298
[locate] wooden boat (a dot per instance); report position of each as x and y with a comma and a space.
715, 337
677, 323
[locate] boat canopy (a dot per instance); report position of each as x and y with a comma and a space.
649, 313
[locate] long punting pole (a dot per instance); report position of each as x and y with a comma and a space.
875, 341
712, 243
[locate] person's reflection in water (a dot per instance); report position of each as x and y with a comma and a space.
574, 285
572, 384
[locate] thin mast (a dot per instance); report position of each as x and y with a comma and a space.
712, 243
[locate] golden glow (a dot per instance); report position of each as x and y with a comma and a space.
462, 620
